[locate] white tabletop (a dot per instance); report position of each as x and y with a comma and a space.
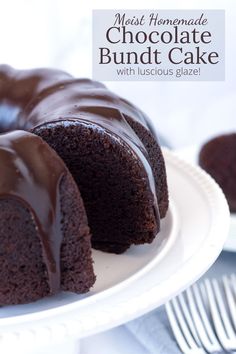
116, 341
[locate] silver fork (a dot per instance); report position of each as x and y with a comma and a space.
203, 318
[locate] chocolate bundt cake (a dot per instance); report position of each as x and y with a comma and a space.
218, 158
107, 144
44, 237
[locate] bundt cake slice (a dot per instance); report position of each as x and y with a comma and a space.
218, 158
44, 237
120, 205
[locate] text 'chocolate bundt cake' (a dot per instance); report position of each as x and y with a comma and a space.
110, 149
218, 158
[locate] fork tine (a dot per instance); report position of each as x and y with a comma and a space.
176, 329
220, 330
230, 299
188, 318
209, 345
214, 343
223, 311
180, 328
233, 283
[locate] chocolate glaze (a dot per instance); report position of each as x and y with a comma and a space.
32, 98
32, 173
35, 97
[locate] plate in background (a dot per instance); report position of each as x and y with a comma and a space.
190, 154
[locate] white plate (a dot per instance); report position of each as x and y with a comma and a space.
132, 284
190, 154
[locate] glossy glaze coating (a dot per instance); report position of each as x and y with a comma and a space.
30, 98
32, 173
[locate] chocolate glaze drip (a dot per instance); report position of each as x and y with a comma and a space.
31, 175
31, 98
35, 97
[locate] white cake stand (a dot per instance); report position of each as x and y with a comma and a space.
129, 285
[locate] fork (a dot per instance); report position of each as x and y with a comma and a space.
203, 318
